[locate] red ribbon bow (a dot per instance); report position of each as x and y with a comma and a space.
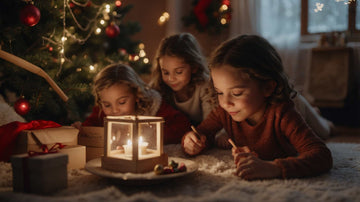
54, 149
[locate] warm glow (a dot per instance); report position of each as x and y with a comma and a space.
223, 21
97, 31
102, 22
142, 53
146, 60
224, 8
92, 68
166, 15
163, 18
107, 8
78, 69
141, 46
63, 38
136, 58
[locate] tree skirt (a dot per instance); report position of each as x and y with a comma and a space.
213, 181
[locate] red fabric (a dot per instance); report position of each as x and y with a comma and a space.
176, 122
199, 11
9, 132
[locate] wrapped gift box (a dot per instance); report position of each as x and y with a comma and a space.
41, 174
31, 140
77, 156
93, 138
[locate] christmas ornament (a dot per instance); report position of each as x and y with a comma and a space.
30, 15
22, 106
118, 3
112, 30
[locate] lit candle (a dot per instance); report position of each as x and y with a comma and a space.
142, 146
128, 148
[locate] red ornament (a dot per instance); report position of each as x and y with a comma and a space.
118, 3
30, 15
72, 5
112, 30
22, 106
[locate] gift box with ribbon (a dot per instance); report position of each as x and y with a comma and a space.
39, 172
32, 140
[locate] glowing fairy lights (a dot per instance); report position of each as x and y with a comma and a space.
94, 25
319, 6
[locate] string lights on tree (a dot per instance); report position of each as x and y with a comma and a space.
71, 44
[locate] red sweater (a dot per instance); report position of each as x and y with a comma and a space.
176, 123
282, 135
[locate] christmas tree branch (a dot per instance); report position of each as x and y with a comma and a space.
34, 69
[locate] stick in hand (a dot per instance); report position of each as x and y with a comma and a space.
232, 143
196, 133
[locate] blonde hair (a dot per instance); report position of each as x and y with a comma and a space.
186, 47
123, 74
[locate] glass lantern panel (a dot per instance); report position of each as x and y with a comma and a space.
148, 140
120, 136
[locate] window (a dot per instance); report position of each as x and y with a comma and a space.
322, 16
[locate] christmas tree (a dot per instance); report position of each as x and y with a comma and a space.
71, 40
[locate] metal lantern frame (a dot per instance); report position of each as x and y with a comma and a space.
133, 163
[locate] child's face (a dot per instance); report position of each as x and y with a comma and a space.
117, 100
175, 72
241, 97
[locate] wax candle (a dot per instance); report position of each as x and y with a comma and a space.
142, 147
128, 148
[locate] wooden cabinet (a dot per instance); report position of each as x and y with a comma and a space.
329, 76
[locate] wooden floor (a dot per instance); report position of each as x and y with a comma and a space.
345, 134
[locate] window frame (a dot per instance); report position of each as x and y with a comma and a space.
352, 31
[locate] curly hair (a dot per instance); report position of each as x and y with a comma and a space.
123, 74
186, 47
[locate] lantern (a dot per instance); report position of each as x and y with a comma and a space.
133, 143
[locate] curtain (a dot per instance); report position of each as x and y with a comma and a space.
276, 20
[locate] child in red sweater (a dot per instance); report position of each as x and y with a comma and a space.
256, 110
118, 90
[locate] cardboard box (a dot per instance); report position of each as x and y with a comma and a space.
31, 140
93, 138
77, 156
94, 152
41, 174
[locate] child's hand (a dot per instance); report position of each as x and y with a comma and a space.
250, 167
192, 144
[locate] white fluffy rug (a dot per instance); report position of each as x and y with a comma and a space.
213, 181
